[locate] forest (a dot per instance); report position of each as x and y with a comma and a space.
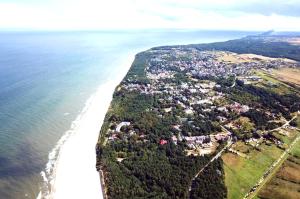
270, 46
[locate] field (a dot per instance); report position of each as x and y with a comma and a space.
242, 173
240, 58
252, 57
290, 75
230, 57
274, 83
286, 183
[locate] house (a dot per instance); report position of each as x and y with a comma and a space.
174, 139
112, 137
167, 110
176, 127
204, 101
163, 142
222, 119
118, 128
189, 111
237, 107
195, 139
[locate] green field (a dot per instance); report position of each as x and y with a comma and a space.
271, 83
285, 184
241, 173
296, 150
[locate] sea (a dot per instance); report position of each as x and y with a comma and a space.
46, 79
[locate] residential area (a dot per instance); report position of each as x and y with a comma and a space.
186, 85
204, 115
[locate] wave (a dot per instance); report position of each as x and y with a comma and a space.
89, 120
48, 175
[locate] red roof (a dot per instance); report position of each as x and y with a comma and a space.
163, 142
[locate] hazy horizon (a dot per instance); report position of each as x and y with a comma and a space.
101, 15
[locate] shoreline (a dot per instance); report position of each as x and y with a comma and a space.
70, 171
102, 181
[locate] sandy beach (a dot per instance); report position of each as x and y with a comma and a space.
74, 173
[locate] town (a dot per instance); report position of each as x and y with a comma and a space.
196, 122
185, 84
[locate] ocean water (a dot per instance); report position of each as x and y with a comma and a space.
46, 79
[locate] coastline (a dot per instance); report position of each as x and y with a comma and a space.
103, 187
57, 106
71, 171
129, 179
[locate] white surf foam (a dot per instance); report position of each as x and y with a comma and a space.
70, 171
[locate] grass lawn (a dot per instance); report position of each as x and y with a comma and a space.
241, 173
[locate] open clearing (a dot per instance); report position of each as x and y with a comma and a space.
274, 83
291, 75
240, 58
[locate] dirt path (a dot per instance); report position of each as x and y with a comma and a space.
229, 143
274, 167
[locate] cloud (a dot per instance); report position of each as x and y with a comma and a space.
147, 14
269, 7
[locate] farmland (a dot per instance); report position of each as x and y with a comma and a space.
290, 75
242, 173
286, 183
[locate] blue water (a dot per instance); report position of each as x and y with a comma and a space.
45, 80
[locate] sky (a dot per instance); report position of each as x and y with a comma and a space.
255, 15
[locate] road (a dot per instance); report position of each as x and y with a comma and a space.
229, 143
234, 82
271, 171
275, 166
284, 125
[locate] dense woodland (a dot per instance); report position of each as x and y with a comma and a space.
262, 100
150, 170
200, 188
269, 46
